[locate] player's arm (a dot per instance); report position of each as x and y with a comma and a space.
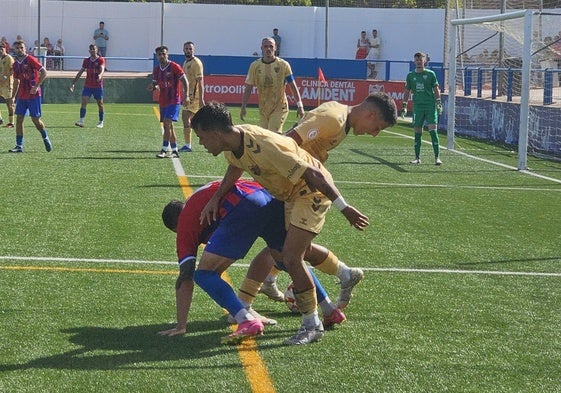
42, 77
201, 83
438, 100
406, 96
299, 106
316, 181
245, 99
15, 88
78, 75
185, 84
211, 209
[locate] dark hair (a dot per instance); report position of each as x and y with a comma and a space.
92, 46
419, 54
171, 213
212, 116
189, 43
386, 105
161, 49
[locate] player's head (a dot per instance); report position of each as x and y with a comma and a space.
209, 123
93, 50
377, 112
19, 48
268, 47
189, 49
171, 213
162, 54
420, 59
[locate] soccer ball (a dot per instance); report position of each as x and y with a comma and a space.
290, 300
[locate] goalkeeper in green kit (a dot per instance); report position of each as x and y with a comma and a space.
422, 83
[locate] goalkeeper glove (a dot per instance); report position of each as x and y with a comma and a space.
439, 106
403, 109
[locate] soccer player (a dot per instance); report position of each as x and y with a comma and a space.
319, 131
291, 175
193, 68
94, 67
422, 83
7, 83
270, 75
247, 211
29, 74
168, 77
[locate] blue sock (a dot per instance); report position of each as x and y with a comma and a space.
165, 145
101, 116
82, 113
320, 292
218, 290
44, 133
173, 146
19, 140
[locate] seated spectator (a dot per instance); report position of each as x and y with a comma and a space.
59, 51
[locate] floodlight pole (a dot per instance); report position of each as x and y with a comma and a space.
326, 28
162, 24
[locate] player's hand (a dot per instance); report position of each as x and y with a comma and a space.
209, 214
355, 218
176, 331
34, 89
403, 111
300, 112
439, 108
242, 113
71, 88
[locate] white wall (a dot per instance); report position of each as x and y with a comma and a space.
221, 29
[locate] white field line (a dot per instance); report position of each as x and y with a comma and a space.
245, 266
483, 159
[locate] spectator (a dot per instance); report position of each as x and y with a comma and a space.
362, 45
278, 40
101, 36
373, 53
4, 41
59, 51
50, 52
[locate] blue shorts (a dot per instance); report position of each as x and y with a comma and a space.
97, 92
32, 105
257, 215
170, 112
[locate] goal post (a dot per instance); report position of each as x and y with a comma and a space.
456, 54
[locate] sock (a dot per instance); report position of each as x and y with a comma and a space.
19, 140
311, 320
101, 116
248, 290
173, 146
343, 272
418, 136
219, 291
327, 306
435, 143
165, 145
44, 133
82, 113
329, 264
306, 300
321, 294
243, 316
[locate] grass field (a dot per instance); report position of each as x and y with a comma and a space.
463, 270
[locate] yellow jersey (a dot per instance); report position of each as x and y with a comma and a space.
193, 69
6, 70
270, 80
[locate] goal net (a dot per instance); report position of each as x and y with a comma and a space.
504, 79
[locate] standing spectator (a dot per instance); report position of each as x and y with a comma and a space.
101, 36
7, 83
4, 41
422, 83
270, 74
362, 46
50, 52
59, 51
29, 74
168, 77
278, 40
193, 68
94, 67
373, 54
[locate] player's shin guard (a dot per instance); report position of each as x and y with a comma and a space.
248, 290
435, 142
218, 290
329, 264
306, 300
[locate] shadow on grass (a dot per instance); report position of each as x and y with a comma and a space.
103, 348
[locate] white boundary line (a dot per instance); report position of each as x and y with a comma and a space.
245, 266
526, 172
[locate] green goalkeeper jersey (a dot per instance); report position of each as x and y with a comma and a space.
422, 86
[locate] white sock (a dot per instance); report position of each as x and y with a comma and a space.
343, 272
243, 315
326, 306
311, 320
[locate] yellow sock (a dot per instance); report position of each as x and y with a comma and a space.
329, 265
248, 291
306, 301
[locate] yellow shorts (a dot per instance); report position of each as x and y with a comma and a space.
6, 90
307, 211
273, 121
193, 106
